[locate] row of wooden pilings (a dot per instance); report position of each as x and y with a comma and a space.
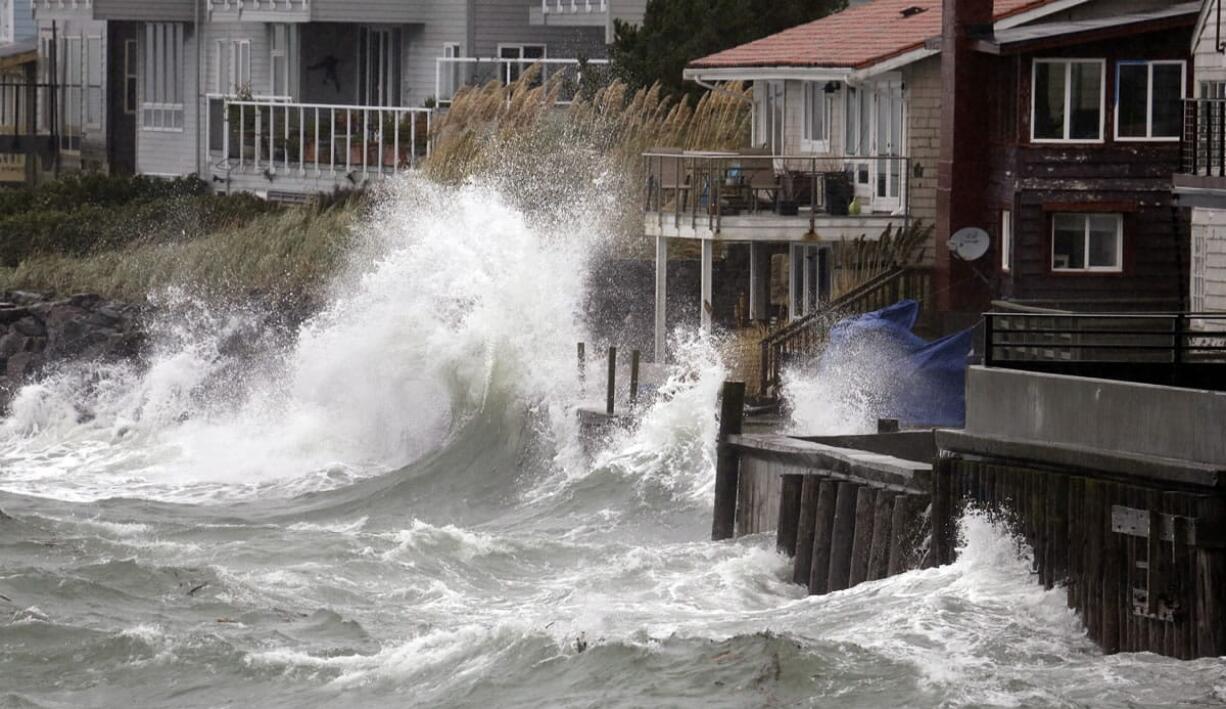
839, 529
1143, 563
611, 379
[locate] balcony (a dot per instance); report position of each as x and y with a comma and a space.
270, 144
61, 9
570, 13
454, 73
259, 10
753, 196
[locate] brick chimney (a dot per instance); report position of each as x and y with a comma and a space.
963, 169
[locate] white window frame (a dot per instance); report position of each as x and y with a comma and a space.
450, 71
95, 64
512, 75
163, 91
808, 141
1119, 243
1068, 95
131, 64
1149, 136
8, 21
286, 54
232, 66
1006, 239
769, 115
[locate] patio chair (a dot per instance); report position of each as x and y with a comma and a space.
672, 181
760, 176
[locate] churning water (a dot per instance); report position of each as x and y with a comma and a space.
391, 510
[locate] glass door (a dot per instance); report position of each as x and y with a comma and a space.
887, 146
378, 67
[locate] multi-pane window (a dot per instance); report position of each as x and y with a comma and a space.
450, 71
233, 67
769, 101
283, 46
162, 102
7, 21
1149, 100
1067, 100
815, 132
1087, 242
94, 66
524, 53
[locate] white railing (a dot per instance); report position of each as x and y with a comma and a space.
454, 73
275, 138
258, 5
549, 7
62, 4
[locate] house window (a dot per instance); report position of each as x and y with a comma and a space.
283, 47
1067, 100
162, 103
768, 115
7, 21
378, 66
1148, 100
94, 65
1006, 240
233, 67
130, 85
1087, 242
11, 113
521, 57
449, 72
815, 133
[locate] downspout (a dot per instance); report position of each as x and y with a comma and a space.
199, 88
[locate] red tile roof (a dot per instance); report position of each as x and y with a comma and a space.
856, 37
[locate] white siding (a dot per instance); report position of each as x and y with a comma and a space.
1209, 64
1208, 267
173, 152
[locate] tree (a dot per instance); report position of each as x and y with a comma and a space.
676, 32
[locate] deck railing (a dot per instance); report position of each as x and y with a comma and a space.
274, 137
700, 188
1180, 349
1204, 135
61, 4
454, 73
802, 338
573, 6
259, 5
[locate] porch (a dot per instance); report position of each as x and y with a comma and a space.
760, 196
277, 146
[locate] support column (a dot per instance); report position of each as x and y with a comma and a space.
806, 279
708, 263
759, 281
794, 258
661, 297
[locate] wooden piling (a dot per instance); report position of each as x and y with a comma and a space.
582, 366
727, 465
862, 540
611, 391
879, 553
1112, 576
904, 524
823, 530
789, 514
842, 536
635, 355
803, 560
1211, 579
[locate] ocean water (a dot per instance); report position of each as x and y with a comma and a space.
392, 509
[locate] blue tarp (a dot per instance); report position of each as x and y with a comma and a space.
915, 381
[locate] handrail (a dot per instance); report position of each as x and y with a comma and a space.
801, 336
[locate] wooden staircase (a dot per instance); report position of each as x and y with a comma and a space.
803, 338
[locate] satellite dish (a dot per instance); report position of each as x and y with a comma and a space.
969, 243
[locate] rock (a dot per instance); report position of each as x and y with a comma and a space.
30, 326
12, 343
24, 297
84, 300
12, 314
23, 365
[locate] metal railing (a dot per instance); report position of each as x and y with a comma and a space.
802, 338
259, 5
61, 4
274, 137
1204, 135
454, 73
1179, 349
700, 188
573, 6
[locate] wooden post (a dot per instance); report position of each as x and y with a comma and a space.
942, 512
634, 377
789, 514
862, 540
612, 386
841, 537
823, 528
1211, 581
879, 552
804, 530
1112, 576
582, 366
904, 526
731, 413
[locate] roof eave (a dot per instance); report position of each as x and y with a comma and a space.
993, 46
766, 73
